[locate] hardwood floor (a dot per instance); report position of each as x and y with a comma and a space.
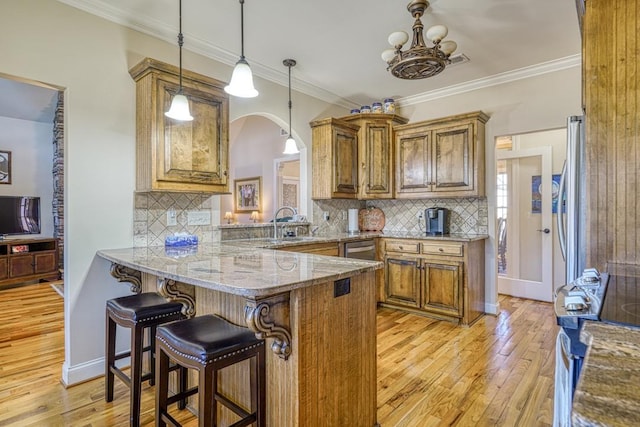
499, 372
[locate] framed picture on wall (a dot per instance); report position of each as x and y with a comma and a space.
248, 194
5, 167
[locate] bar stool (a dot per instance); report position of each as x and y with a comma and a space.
137, 312
208, 344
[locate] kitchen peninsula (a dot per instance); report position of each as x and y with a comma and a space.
317, 313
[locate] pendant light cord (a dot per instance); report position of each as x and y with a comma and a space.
241, 29
180, 41
289, 100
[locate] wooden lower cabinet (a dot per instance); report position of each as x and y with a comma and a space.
442, 287
441, 279
28, 259
402, 280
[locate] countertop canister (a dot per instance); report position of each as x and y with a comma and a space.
389, 106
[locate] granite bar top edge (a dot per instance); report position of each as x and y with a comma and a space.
237, 267
608, 391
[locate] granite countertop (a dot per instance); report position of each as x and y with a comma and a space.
271, 243
237, 269
608, 391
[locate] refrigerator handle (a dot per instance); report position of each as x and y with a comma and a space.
562, 232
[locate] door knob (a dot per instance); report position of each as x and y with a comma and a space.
545, 231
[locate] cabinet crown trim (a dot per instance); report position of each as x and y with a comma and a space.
150, 65
475, 115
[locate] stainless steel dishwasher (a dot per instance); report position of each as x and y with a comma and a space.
362, 249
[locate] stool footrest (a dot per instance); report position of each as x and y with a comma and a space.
231, 405
179, 396
124, 377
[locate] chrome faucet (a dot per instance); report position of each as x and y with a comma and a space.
275, 216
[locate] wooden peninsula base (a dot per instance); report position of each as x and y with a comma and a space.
321, 340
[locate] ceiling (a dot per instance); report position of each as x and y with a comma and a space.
337, 43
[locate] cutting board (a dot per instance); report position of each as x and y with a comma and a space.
371, 219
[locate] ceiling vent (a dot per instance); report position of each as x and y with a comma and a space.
458, 59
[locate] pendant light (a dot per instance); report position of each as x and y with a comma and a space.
290, 146
241, 84
179, 109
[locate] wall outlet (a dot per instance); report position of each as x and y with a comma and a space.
198, 218
325, 215
344, 215
172, 217
419, 214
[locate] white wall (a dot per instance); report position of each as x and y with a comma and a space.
90, 58
31, 149
255, 142
537, 103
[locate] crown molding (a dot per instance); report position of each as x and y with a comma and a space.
496, 79
166, 33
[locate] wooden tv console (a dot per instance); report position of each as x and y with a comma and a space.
23, 260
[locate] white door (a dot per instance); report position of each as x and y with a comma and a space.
524, 223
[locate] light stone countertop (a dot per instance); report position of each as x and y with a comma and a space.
608, 391
271, 243
237, 269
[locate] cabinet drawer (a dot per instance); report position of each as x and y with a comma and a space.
454, 249
402, 246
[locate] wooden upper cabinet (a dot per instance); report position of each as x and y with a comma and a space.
441, 158
180, 156
335, 159
375, 153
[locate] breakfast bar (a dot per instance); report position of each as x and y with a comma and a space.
317, 313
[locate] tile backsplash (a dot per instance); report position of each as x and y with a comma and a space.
150, 217
466, 215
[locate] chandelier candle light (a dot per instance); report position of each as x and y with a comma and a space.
179, 109
419, 61
241, 84
290, 146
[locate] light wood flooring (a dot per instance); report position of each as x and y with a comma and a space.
499, 372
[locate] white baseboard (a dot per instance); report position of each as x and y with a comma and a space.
72, 375
493, 309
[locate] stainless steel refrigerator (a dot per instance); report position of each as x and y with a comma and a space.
571, 217
571, 232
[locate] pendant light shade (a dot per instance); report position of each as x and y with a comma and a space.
290, 146
179, 109
241, 84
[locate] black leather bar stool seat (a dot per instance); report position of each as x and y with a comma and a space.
207, 344
137, 312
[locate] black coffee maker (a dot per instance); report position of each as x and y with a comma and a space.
437, 221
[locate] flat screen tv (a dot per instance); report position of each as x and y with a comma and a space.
19, 215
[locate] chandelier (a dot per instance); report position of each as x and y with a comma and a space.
419, 61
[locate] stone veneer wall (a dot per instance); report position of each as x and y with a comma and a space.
467, 215
150, 217
57, 203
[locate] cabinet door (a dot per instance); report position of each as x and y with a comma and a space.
346, 161
442, 287
191, 152
4, 268
376, 162
45, 262
402, 281
413, 167
21, 265
452, 159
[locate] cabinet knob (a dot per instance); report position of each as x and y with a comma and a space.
441, 250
